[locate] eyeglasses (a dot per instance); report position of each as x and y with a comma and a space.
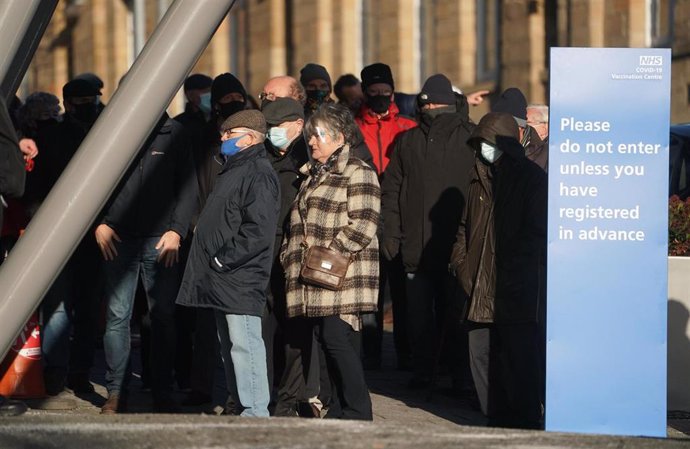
270, 96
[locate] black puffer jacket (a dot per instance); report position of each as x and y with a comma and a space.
424, 189
230, 260
159, 192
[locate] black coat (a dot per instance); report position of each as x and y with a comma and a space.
12, 174
424, 190
287, 167
230, 260
159, 192
57, 143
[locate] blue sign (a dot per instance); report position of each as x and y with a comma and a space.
607, 242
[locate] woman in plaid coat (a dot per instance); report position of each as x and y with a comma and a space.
337, 207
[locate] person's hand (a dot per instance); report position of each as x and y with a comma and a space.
168, 248
476, 98
390, 248
28, 148
106, 238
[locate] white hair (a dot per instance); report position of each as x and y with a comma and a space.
542, 110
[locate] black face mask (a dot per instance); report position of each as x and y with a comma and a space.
86, 113
225, 110
379, 103
433, 113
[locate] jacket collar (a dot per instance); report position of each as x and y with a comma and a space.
244, 156
369, 117
338, 167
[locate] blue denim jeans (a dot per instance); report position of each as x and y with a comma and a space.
244, 357
138, 256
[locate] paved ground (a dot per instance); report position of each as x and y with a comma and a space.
402, 419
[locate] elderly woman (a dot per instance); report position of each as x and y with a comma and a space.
337, 208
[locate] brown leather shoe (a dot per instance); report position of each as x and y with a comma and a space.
112, 405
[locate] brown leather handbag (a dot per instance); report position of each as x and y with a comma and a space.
324, 267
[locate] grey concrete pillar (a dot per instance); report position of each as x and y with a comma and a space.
102, 159
22, 24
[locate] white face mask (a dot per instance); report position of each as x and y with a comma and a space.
490, 153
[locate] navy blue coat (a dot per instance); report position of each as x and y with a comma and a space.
230, 260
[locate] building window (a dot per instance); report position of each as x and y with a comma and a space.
488, 39
660, 23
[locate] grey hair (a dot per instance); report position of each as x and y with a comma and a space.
257, 135
335, 118
297, 92
542, 110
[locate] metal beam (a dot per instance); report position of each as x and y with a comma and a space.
22, 24
102, 159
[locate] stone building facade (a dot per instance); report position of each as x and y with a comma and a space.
478, 44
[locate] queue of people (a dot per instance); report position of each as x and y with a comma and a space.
269, 242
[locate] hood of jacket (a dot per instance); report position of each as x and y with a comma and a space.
500, 129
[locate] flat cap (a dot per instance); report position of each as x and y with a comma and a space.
283, 110
249, 118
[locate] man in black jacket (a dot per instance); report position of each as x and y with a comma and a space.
287, 152
230, 261
499, 260
74, 298
140, 233
12, 176
423, 196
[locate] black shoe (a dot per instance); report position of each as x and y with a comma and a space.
8, 407
79, 383
54, 382
165, 404
195, 398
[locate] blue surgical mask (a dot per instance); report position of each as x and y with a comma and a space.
205, 103
230, 147
490, 153
278, 137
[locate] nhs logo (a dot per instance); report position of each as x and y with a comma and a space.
651, 60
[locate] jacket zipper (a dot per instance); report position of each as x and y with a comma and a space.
378, 138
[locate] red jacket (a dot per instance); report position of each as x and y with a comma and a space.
379, 134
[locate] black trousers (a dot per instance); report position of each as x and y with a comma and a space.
392, 282
434, 305
349, 393
506, 366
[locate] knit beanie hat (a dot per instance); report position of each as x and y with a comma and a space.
513, 102
437, 89
197, 81
312, 72
226, 84
376, 73
248, 118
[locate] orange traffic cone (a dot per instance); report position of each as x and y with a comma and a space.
22, 370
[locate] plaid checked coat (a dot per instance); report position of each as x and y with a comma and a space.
340, 211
